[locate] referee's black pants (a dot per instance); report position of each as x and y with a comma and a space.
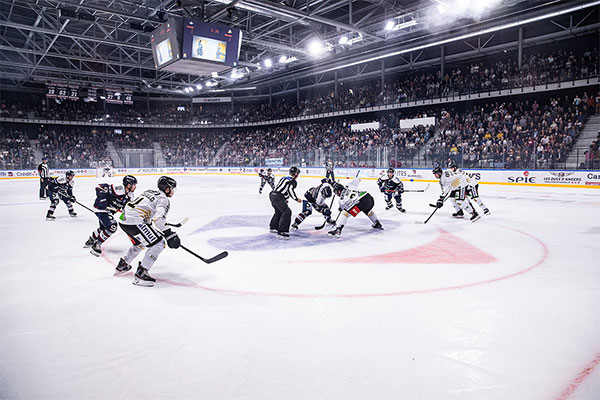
283, 214
43, 187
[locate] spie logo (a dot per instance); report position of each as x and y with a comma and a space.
522, 179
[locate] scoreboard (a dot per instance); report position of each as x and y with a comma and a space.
193, 46
211, 42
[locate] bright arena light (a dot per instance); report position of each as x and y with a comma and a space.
343, 39
390, 25
268, 63
282, 59
315, 47
199, 86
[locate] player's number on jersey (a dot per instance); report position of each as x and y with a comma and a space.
135, 202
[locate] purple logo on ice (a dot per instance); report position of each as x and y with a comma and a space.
306, 236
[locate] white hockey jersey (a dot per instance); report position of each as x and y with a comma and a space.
150, 206
351, 195
452, 181
471, 178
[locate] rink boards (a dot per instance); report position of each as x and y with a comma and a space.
546, 178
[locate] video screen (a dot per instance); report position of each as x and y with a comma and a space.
209, 49
164, 52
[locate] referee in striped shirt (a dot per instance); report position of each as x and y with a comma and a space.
44, 174
280, 223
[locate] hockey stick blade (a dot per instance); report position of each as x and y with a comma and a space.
180, 224
207, 260
216, 258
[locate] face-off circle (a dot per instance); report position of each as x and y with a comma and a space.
407, 260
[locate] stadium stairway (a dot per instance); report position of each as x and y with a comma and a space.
37, 153
418, 161
587, 136
114, 155
159, 157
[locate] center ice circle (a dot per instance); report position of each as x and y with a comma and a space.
406, 260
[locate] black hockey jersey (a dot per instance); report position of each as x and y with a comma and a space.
60, 185
110, 198
390, 185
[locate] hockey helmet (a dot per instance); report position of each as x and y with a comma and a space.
294, 171
327, 192
437, 170
269, 170
165, 182
129, 180
338, 188
451, 164
70, 173
390, 170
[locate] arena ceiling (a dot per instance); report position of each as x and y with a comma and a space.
106, 42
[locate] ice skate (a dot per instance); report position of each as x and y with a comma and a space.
122, 268
142, 278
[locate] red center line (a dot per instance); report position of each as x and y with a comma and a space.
579, 378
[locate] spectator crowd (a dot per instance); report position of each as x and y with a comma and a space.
537, 69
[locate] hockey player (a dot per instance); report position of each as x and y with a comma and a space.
144, 220
266, 178
329, 170
315, 198
44, 174
391, 186
109, 200
61, 188
454, 186
352, 202
280, 222
472, 191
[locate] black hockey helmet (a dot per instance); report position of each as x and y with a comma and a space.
294, 171
451, 164
165, 182
129, 180
262, 170
390, 170
269, 170
70, 173
44, 158
327, 192
437, 170
338, 188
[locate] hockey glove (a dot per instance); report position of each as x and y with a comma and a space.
72, 199
440, 202
172, 239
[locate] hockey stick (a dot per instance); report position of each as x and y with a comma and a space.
82, 205
417, 190
207, 260
325, 222
436, 208
180, 224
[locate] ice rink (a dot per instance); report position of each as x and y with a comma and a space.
504, 308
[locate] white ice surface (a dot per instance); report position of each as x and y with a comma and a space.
284, 320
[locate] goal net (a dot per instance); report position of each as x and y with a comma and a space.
104, 169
